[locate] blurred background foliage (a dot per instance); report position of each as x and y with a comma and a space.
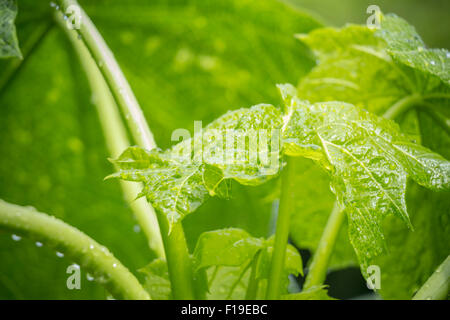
186, 61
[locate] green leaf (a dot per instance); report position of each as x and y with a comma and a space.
179, 180
313, 293
227, 247
316, 213
228, 282
9, 45
363, 66
369, 161
406, 46
352, 67
157, 281
228, 255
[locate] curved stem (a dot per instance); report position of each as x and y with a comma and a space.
281, 233
114, 77
402, 105
87, 252
116, 139
437, 285
321, 259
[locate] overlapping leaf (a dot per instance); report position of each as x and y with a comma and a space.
361, 66
180, 179
9, 45
230, 253
376, 69
369, 160
405, 46
157, 281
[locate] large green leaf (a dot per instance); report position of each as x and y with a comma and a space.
185, 62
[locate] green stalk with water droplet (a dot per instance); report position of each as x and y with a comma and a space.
89, 254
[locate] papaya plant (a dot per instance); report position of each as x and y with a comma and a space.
352, 158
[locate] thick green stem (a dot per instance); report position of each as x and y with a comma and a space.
178, 259
175, 246
93, 257
321, 259
282, 232
116, 139
437, 285
402, 105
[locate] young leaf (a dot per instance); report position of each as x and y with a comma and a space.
229, 253
157, 281
353, 67
179, 180
369, 160
406, 47
9, 46
374, 69
227, 247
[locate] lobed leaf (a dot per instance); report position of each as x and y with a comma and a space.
369, 160
407, 47
178, 180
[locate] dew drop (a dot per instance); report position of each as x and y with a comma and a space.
59, 254
114, 265
89, 277
448, 55
91, 246
432, 62
15, 237
136, 228
39, 244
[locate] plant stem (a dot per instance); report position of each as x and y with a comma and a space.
252, 288
402, 105
281, 233
116, 139
92, 256
321, 258
175, 245
178, 259
114, 77
437, 285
